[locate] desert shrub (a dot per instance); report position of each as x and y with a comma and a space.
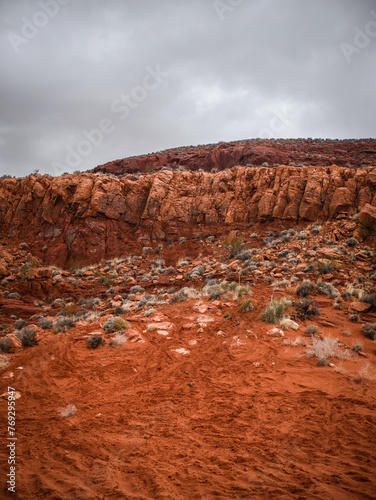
149, 312
311, 330
23, 246
322, 362
246, 306
369, 330
182, 240
315, 230
326, 348
357, 348
14, 296
5, 344
352, 242
45, 323
370, 299
353, 291
327, 289
211, 239
302, 235
305, 288
147, 250
235, 245
27, 337
105, 280
115, 324
354, 318
324, 267
136, 289
274, 311
245, 254
184, 294
240, 290
19, 324
90, 303
94, 341
196, 272
63, 324
306, 308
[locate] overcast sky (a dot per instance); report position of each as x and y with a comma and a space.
84, 82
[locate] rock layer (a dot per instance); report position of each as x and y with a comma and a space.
91, 216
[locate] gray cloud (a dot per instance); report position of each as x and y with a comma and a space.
229, 70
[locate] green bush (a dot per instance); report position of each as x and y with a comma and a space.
236, 245
274, 312
246, 306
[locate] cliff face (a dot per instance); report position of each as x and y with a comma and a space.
90, 216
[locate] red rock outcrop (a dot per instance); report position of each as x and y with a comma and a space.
88, 217
250, 152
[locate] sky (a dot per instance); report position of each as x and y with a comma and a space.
85, 82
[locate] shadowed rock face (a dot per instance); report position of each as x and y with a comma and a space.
90, 216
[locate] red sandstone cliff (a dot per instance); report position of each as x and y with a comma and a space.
90, 216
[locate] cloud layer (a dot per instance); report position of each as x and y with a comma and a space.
83, 83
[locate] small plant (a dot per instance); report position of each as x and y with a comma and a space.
354, 318
228, 316
5, 345
63, 324
311, 330
357, 348
369, 330
14, 296
149, 312
246, 306
326, 348
274, 312
184, 294
306, 308
94, 341
346, 333
119, 340
326, 288
19, 324
352, 242
115, 324
305, 288
370, 299
322, 362
136, 289
214, 291
45, 323
24, 246
235, 245
27, 337
68, 411
324, 267
147, 250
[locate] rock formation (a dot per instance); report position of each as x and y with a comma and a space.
92, 216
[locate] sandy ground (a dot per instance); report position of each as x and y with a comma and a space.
235, 414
